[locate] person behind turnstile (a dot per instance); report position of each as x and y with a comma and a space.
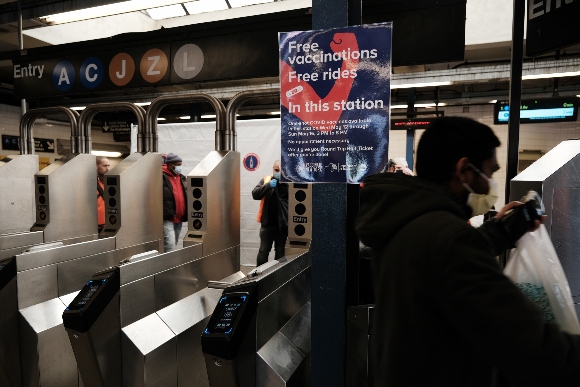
272, 215
174, 201
103, 166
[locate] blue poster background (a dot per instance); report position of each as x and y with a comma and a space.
335, 97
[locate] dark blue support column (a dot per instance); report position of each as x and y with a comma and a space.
334, 244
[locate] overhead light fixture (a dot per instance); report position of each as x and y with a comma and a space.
493, 101
208, 116
418, 105
553, 75
274, 113
185, 117
424, 84
142, 103
106, 153
202, 6
166, 12
106, 10
161, 119
78, 108
243, 3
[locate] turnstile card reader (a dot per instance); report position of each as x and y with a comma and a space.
228, 324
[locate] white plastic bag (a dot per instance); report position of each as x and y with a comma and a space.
534, 266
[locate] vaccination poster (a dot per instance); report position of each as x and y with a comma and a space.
335, 97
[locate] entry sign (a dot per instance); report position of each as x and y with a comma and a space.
552, 24
335, 96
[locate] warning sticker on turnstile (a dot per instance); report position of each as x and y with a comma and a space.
197, 214
335, 97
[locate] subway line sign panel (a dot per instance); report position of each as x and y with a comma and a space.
166, 63
335, 97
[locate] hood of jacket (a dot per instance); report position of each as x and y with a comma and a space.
166, 170
389, 201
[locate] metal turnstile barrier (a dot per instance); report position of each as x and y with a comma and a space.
556, 178
155, 313
359, 343
48, 278
259, 332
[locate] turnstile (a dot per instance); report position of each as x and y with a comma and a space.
17, 193
556, 177
161, 302
259, 332
48, 277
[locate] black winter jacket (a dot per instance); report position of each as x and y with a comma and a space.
169, 199
280, 193
445, 313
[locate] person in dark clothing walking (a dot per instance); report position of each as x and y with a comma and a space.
273, 214
445, 313
174, 201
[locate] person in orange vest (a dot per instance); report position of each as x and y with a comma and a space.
103, 166
273, 214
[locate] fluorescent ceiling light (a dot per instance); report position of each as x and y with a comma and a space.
493, 101
553, 75
78, 108
161, 119
166, 12
425, 84
106, 153
142, 103
201, 6
107, 10
185, 117
274, 113
418, 105
242, 3
208, 116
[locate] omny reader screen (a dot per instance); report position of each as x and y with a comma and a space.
87, 292
539, 110
224, 317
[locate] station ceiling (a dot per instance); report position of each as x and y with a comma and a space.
44, 32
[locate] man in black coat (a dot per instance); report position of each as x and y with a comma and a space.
273, 214
445, 313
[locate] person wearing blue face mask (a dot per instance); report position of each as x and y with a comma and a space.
272, 215
174, 201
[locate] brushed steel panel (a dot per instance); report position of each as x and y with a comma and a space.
71, 209
133, 271
47, 357
139, 200
8, 253
62, 253
73, 274
17, 193
9, 338
183, 314
20, 239
36, 286
98, 351
137, 300
191, 371
180, 282
277, 361
149, 353
220, 201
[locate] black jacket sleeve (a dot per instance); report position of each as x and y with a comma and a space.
260, 190
496, 236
